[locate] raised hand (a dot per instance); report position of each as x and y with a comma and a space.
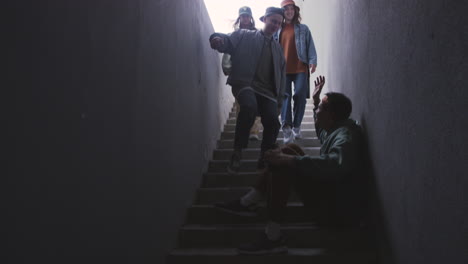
319, 82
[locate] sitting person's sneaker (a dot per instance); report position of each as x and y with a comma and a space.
263, 246
235, 207
234, 163
254, 137
297, 132
288, 135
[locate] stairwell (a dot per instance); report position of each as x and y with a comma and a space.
211, 236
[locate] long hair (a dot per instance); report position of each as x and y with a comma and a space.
297, 17
237, 24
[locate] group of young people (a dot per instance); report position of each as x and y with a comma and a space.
261, 66
298, 50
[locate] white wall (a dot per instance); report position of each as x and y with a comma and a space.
117, 108
403, 63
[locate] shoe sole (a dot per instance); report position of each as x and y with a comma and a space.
247, 214
273, 251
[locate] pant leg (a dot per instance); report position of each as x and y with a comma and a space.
286, 116
279, 182
236, 107
247, 112
268, 110
318, 197
300, 98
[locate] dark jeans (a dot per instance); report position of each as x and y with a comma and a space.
319, 197
251, 105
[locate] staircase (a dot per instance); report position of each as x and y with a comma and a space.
210, 236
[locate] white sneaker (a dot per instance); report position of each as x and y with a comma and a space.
288, 135
297, 132
254, 137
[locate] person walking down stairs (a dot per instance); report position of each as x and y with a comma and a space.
257, 79
300, 54
243, 21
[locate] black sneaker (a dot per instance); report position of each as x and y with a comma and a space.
263, 246
235, 207
234, 163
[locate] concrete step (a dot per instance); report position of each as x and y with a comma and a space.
308, 112
209, 215
302, 235
305, 133
220, 179
216, 166
304, 125
225, 154
210, 196
294, 255
303, 142
309, 106
307, 118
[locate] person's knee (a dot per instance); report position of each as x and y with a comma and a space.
292, 149
249, 108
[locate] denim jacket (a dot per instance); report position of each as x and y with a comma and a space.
304, 44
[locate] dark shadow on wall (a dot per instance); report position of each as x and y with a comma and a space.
374, 211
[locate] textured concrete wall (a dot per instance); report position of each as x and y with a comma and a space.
117, 107
403, 63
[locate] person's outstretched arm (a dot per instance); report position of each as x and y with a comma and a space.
226, 43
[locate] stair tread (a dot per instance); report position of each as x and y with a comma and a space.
235, 188
289, 204
303, 123
221, 174
304, 138
258, 149
310, 252
233, 251
243, 160
302, 130
253, 226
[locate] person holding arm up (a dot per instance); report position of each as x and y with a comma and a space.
257, 79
